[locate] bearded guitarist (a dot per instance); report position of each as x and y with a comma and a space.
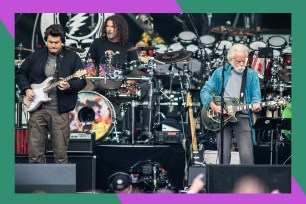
241, 83
54, 62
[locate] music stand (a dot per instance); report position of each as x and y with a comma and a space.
285, 123
277, 124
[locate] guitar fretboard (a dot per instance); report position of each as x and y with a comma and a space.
248, 106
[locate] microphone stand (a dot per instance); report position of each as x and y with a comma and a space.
222, 108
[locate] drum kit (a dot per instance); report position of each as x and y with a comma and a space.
154, 87
115, 96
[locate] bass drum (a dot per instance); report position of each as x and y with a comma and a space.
93, 113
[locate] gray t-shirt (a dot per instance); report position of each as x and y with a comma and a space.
232, 89
49, 72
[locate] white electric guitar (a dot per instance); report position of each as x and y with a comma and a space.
42, 90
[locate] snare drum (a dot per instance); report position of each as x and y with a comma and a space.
176, 47
208, 40
277, 42
127, 91
186, 37
93, 113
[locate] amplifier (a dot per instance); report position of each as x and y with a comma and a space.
162, 137
79, 143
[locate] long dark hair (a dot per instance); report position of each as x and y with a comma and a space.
121, 26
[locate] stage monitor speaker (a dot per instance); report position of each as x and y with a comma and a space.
85, 171
48, 178
194, 171
221, 178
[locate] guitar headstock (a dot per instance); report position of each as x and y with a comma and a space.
188, 100
279, 102
282, 102
80, 73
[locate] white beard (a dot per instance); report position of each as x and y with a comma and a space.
239, 69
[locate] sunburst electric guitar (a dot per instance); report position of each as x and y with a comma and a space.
196, 157
42, 90
212, 120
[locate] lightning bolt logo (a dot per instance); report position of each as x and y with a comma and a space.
76, 22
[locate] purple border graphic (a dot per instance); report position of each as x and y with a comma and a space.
7, 15
92, 6
298, 198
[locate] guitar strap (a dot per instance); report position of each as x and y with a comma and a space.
59, 60
242, 90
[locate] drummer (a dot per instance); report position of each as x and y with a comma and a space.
111, 47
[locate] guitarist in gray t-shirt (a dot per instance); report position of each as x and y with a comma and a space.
234, 94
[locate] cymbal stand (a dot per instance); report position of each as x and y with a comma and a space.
19, 96
150, 106
19, 108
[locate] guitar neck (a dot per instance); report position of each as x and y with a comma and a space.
192, 126
54, 84
248, 106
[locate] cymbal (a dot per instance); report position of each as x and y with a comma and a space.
75, 49
258, 30
176, 56
222, 28
241, 33
21, 48
141, 49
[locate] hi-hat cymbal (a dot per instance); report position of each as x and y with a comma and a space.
176, 56
21, 48
141, 49
75, 49
222, 28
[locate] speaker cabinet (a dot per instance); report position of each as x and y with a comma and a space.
221, 178
85, 170
194, 171
48, 178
